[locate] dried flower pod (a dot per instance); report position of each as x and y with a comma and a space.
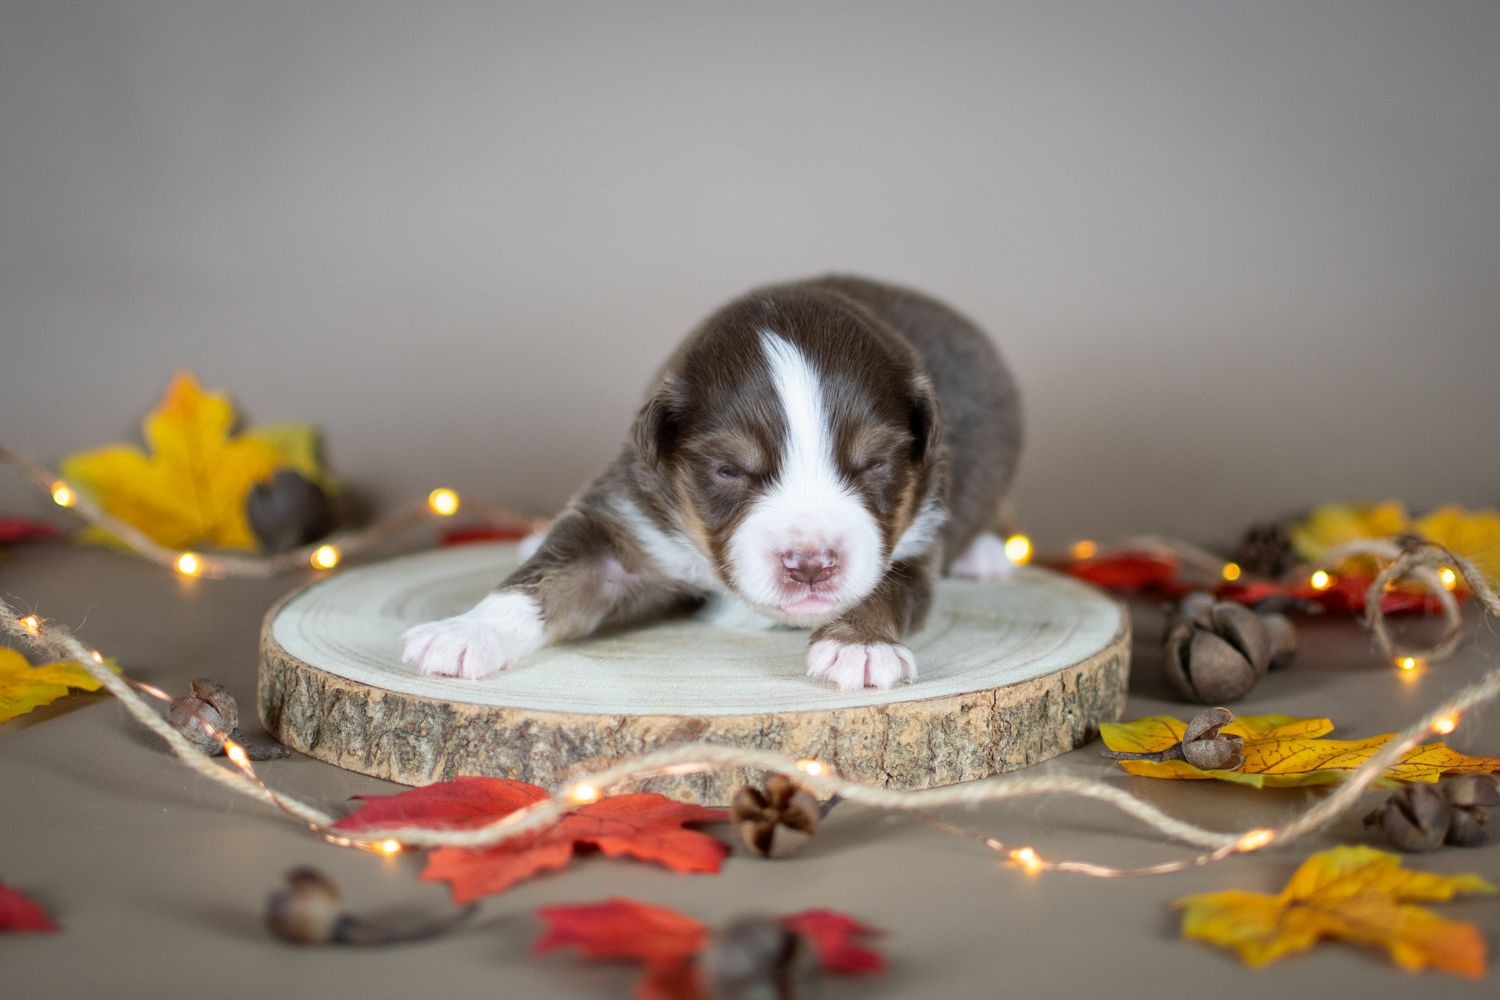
1467, 795
756, 958
307, 912
211, 715
1283, 636
1414, 818
777, 822
1215, 651
1266, 549
1202, 745
288, 511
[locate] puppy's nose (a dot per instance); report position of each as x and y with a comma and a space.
810, 567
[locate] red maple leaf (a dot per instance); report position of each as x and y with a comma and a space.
644, 825
23, 529
1128, 572
832, 935
17, 913
622, 928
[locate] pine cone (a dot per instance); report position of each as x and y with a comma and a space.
1266, 549
776, 822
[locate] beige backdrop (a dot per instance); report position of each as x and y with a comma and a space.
1243, 256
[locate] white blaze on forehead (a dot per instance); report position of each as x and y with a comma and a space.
809, 507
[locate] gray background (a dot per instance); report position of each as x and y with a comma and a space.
1243, 256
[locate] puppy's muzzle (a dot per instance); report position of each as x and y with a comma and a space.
810, 567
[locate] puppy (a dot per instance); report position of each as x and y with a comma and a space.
815, 454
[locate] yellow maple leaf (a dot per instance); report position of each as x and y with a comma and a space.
24, 687
190, 491
1354, 893
1282, 752
1334, 524
1475, 535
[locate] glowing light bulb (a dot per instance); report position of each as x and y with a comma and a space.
61, 495
236, 753
443, 502
97, 657
1231, 571
584, 794
1445, 724
1255, 840
1018, 548
1027, 858
1449, 578
388, 847
811, 766
1320, 580
189, 564
32, 624
1408, 663
326, 557
1084, 550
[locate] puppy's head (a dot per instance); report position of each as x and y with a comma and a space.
797, 440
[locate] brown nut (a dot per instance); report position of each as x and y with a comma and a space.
1215, 651
1414, 818
307, 910
756, 958
1467, 795
777, 822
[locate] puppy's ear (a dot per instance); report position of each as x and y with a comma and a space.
926, 420
654, 432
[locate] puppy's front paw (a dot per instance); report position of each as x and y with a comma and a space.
984, 559
851, 667
499, 630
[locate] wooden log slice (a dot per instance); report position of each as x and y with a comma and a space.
1009, 674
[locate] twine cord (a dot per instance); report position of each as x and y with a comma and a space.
694, 758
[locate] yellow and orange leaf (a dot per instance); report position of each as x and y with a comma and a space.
24, 687
1281, 752
190, 491
1350, 893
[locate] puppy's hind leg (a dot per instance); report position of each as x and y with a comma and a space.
583, 573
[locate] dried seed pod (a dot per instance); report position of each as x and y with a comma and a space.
211, 715
1414, 818
1202, 745
756, 958
288, 511
1266, 549
1283, 635
307, 912
777, 822
1215, 651
1467, 795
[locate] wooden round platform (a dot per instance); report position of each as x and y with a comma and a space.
1009, 674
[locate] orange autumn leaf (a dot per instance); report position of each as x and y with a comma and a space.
1281, 751
643, 825
24, 687
1350, 893
190, 491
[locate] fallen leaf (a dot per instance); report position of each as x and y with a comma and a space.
1475, 535
1354, 893
1333, 524
624, 929
191, 490
1281, 752
17, 913
644, 825
1128, 572
833, 938
24, 687
23, 529
666, 941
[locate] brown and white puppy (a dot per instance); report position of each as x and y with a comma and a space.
814, 454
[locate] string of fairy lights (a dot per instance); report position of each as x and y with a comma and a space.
816, 775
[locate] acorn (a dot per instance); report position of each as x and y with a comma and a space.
777, 822
1215, 651
1202, 745
210, 716
1414, 818
756, 958
1467, 795
288, 511
308, 912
